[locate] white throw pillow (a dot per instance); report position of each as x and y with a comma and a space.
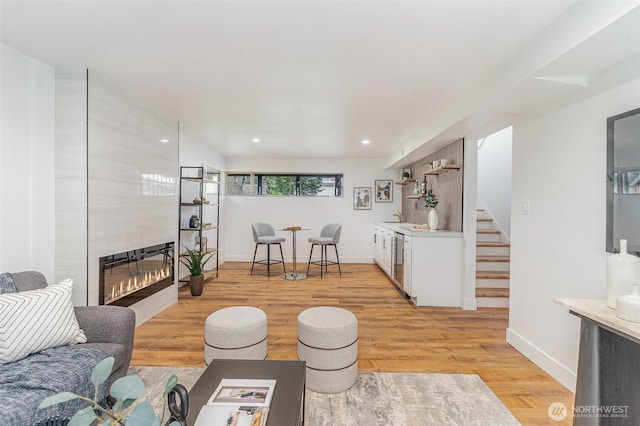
31, 321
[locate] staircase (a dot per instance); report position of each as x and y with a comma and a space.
492, 265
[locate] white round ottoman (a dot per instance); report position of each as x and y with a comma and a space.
238, 332
328, 342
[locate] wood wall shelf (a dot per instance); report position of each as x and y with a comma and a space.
406, 181
414, 197
444, 169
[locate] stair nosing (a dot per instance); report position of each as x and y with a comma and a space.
489, 258
493, 275
492, 292
492, 244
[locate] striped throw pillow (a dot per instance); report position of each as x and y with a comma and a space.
31, 321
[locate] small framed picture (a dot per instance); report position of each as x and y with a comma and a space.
362, 198
384, 191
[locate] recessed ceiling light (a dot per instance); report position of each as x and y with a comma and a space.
164, 140
365, 142
255, 140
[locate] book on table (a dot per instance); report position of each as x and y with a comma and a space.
238, 402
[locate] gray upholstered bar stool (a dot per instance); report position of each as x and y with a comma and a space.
237, 332
328, 342
265, 234
329, 236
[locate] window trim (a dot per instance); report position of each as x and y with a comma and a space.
256, 178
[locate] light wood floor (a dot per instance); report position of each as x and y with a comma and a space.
394, 335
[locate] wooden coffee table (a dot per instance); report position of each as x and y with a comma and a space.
287, 406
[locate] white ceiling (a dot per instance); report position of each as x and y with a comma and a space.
314, 78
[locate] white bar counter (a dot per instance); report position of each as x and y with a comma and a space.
408, 229
430, 262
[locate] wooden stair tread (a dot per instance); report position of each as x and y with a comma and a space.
488, 231
499, 275
492, 292
485, 219
493, 259
492, 244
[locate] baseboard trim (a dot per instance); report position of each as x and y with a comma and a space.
556, 370
469, 304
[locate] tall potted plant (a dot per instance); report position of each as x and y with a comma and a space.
195, 260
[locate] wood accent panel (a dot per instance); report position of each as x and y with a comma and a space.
447, 187
394, 335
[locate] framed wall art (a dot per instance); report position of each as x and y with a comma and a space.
384, 191
362, 198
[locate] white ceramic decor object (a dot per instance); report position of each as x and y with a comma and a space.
622, 272
628, 307
432, 219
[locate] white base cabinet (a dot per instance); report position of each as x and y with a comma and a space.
383, 241
436, 271
432, 263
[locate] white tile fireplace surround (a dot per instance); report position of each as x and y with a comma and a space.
116, 181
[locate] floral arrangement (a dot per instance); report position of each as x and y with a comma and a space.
430, 199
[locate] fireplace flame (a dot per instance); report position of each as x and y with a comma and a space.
137, 282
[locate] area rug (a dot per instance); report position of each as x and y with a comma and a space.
378, 399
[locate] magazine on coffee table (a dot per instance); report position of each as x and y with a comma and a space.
238, 402
243, 392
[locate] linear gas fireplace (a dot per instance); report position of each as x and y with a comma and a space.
128, 277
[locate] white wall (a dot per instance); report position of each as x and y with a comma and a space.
558, 250
308, 212
26, 164
494, 178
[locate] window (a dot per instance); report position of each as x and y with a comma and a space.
239, 184
292, 185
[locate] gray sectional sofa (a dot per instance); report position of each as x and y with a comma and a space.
109, 331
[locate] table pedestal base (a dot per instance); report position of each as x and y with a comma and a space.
295, 276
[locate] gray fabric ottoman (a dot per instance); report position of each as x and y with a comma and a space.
328, 342
238, 332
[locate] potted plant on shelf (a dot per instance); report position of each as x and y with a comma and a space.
195, 260
431, 201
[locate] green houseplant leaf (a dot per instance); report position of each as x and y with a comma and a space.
171, 383
101, 371
57, 399
84, 417
195, 260
127, 387
142, 415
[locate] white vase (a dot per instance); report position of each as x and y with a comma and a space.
432, 219
623, 271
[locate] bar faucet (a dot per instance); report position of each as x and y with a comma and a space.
399, 216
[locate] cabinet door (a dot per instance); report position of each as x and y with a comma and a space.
376, 245
407, 270
386, 255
